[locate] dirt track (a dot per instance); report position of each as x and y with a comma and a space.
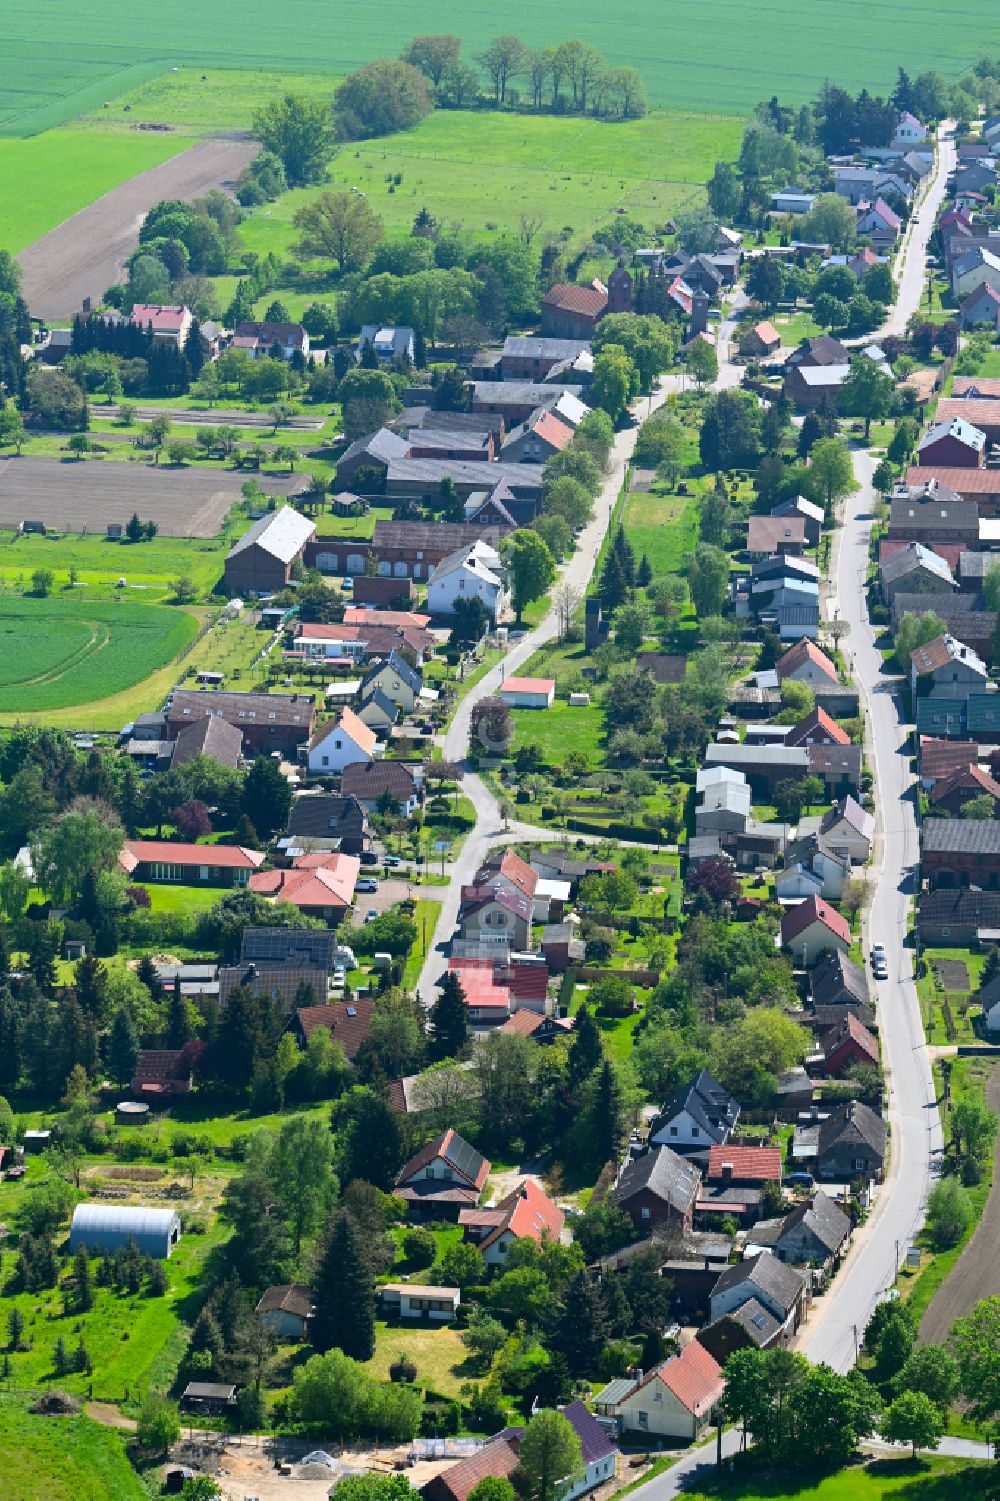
976, 1274
83, 256
76, 497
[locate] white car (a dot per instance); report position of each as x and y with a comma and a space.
880, 968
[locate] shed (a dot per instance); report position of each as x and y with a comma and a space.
131, 1113
207, 1396
106, 1227
37, 1141
528, 693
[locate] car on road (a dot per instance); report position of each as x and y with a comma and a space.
880, 967
367, 883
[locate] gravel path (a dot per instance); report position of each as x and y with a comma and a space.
85, 254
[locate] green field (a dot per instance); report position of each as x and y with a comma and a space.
56, 652
61, 1459
663, 526
570, 173
925, 1480
52, 176
61, 57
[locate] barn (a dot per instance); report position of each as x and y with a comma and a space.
261, 561
106, 1227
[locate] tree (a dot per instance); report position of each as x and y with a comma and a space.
830, 473
433, 55
502, 60
586, 1051
123, 1047
708, 579
462, 1265
912, 1418
765, 280
493, 1487
730, 431
344, 1293
266, 796
724, 193
884, 477
633, 623
949, 1213
86, 839
932, 1370
829, 1415
914, 631
612, 381
702, 361
749, 1056
529, 565
449, 1022
158, 1425
298, 131
340, 227
550, 1452
866, 393
83, 1293
380, 98
582, 1329
831, 221
371, 1137
975, 1340
302, 1165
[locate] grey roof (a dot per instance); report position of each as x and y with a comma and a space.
400, 666
383, 444
132, 1219
759, 1324
324, 815
209, 736
595, 1443
911, 557
520, 392
662, 1173
282, 533
976, 565
836, 975
264, 708
938, 515
381, 701
781, 1283
964, 432
850, 809
822, 1217
534, 348
616, 1391
961, 836
709, 1105
464, 471
459, 422
855, 1121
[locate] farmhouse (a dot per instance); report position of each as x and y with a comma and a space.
420, 479
951, 793
532, 359
472, 572
367, 459
806, 663
763, 1277
946, 668
915, 570
209, 736
103, 1228
516, 400
657, 1188
407, 549
850, 1042
838, 981
191, 864
261, 561
850, 1144
271, 340
961, 852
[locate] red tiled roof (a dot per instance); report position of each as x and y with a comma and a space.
332, 885
497, 1458
964, 482
355, 728
850, 1030
749, 1164
694, 1377
804, 651
528, 982
553, 431
767, 332
573, 299
347, 1029
940, 758
469, 1164
818, 719
163, 319
174, 852
518, 872
477, 978
527, 685
795, 920
360, 615
966, 776
527, 1213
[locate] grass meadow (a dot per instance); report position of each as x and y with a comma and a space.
62, 1459
56, 652
663, 526
905, 1479
63, 57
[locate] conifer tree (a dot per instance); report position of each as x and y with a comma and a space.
585, 1051
81, 1281
123, 1047
583, 1327
449, 1030
344, 1293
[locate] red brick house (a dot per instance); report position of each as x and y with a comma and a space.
951, 793
571, 312
953, 443
849, 1042
658, 1188
959, 852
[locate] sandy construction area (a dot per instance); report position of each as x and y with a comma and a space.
85, 254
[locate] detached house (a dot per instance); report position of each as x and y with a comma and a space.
838, 981
173, 323
850, 1144
336, 744
915, 569
472, 572
817, 728
372, 782
848, 1043
946, 668
879, 224
443, 1178
394, 677
525, 1214
815, 1233
813, 868
806, 663
676, 1400
658, 1188
954, 444
812, 929
849, 830
765, 1280
271, 340
951, 793
701, 1115
169, 860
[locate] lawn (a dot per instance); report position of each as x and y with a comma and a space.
62, 1459
663, 526
52, 176
59, 652
62, 57
183, 898
560, 728
435, 1352
98, 563
922, 1480
425, 916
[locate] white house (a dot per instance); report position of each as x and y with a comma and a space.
173, 323
528, 693
909, 131
971, 271
849, 829
675, 1400
813, 868
763, 1279
389, 344
403, 1300
700, 1115
395, 678
473, 572
342, 742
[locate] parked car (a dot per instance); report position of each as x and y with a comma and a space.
368, 857
367, 883
798, 1180
880, 967
393, 861
372, 912
347, 586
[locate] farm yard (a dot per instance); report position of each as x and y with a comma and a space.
55, 652
73, 496
62, 57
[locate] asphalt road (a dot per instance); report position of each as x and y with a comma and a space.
576, 573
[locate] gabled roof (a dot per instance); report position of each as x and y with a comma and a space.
749, 1164
324, 815
209, 736
795, 920
853, 1121
176, 852
242, 708
370, 780
820, 1215
711, 1107
661, 1173
836, 975
694, 1377
497, 1458
398, 664
782, 1284
291, 1298
595, 1442
309, 885
283, 534
471, 1166
957, 428
817, 719
164, 320
527, 1213
354, 728
909, 559
943, 651
573, 299
851, 811
960, 836
515, 870
798, 655
850, 1030
972, 777
383, 445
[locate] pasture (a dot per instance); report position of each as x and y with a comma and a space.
59, 652
53, 176
922, 1480
62, 1459
63, 57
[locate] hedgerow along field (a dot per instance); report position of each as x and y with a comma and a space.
62, 57
59, 652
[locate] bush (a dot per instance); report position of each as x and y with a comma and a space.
949, 1213
403, 1368
419, 1247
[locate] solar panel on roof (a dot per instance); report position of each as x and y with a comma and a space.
757, 1320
